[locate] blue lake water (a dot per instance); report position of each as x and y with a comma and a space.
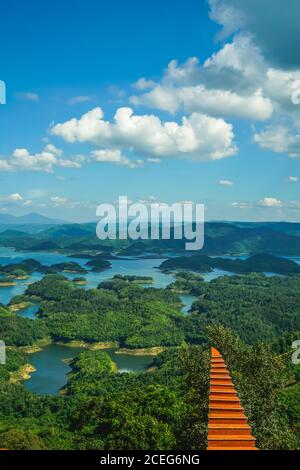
187, 301
29, 312
52, 370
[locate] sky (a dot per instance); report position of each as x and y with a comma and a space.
167, 101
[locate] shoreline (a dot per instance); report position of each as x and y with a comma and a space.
14, 308
92, 346
22, 374
154, 351
36, 347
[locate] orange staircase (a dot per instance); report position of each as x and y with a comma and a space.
228, 428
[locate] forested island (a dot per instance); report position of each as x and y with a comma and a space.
257, 263
24, 269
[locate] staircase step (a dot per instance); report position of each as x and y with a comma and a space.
229, 426
226, 399
229, 429
226, 384
218, 389
225, 407
219, 366
229, 441
232, 448
219, 372
224, 420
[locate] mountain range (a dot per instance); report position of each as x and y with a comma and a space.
32, 218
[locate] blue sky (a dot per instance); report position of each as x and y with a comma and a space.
220, 129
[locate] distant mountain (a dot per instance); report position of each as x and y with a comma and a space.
32, 218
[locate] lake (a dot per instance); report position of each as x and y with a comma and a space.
52, 370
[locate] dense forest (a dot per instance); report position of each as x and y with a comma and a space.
252, 319
163, 409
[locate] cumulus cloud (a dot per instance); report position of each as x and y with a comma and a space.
270, 202
279, 140
15, 197
209, 101
143, 84
115, 156
226, 183
198, 137
230, 83
45, 161
241, 80
294, 179
276, 33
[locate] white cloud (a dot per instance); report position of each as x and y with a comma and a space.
226, 183
279, 140
5, 166
230, 83
114, 156
69, 164
198, 137
28, 203
270, 202
22, 160
275, 31
164, 98
293, 179
15, 197
237, 81
52, 149
241, 205
59, 201
28, 96
143, 84
226, 103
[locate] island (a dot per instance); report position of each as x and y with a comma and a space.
257, 263
98, 264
